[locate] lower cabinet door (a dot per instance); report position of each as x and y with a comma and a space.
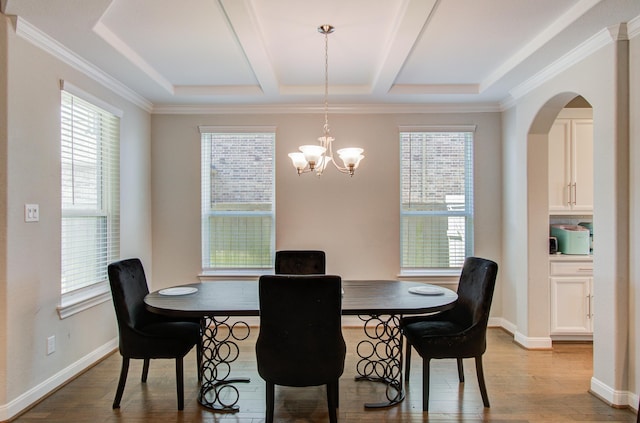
571, 305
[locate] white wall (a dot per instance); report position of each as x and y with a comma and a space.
600, 78
3, 206
634, 190
30, 281
355, 220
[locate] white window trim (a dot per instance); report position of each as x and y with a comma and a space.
435, 273
240, 274
85, 298
437, 128
79, 92
209, 129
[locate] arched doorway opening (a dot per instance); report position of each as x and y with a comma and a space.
562, 304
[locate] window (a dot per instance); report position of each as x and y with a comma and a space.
238, 212
436, 205
90, 189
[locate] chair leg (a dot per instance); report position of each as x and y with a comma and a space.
199, 348
483, 387
180, 382
270, 402
460, 370
145, 370
121, 382
425, 384
336, 392
332, 401
199, 359
407, 362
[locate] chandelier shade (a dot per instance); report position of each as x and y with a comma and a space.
317, 157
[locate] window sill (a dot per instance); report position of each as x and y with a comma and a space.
435, 276
82, 299
241, 274
420, 273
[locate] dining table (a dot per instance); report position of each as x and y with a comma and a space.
220, 305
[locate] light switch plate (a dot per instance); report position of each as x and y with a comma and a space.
31, 213
51, 344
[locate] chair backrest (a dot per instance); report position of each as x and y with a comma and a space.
475, 291
300, 262
128, 289
300, 342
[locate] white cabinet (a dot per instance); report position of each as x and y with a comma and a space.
572, 299
571, 163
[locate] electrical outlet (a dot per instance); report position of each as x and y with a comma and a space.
31, 212
51, 344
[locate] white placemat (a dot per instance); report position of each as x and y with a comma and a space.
178, 290
426, 290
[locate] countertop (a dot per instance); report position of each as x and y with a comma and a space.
570, 257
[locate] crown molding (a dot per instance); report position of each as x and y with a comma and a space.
599, 40
550, 32
633, 27
41, 40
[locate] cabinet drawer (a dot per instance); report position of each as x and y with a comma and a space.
571, 268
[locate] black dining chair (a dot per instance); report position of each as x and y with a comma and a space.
144, 335
457, 333
300, 342
300, 262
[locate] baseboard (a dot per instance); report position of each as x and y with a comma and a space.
499, 322
617, 399
531, 343
37, 393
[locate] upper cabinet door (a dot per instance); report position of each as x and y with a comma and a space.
571, 166
559, 167
582, 135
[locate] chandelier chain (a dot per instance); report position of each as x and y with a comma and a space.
326, 83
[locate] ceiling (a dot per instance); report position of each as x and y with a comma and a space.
269, 52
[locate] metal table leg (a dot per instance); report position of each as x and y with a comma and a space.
219, 350
381, 357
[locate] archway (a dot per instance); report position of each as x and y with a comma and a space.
539, 286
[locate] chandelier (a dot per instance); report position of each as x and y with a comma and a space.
317, 157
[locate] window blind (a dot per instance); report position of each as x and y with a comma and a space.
90, 184
436, 206
238, 192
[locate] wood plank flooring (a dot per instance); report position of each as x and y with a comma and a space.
523, 386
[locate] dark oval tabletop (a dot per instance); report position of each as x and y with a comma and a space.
240, 298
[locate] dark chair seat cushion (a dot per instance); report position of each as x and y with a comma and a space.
422, 330
187, 331
444, 340
159, 340
287, 366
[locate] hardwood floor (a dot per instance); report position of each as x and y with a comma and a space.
523, 386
